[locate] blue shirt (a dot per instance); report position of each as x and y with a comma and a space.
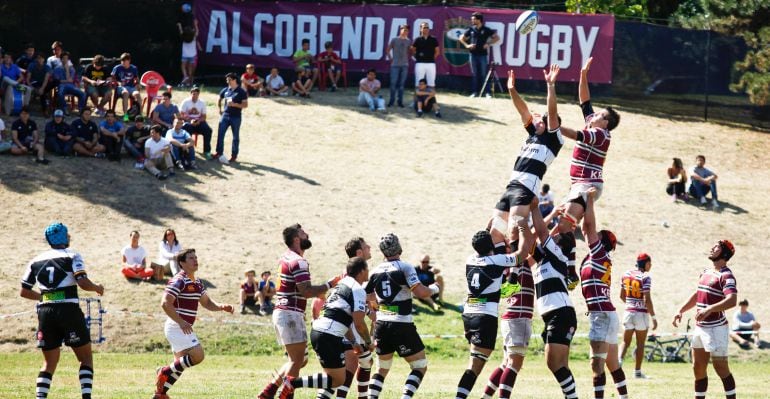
237, 95
166, 114
180, 135
60, 74
125, 75
114, 128
11, 71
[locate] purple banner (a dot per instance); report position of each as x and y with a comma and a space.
267, 34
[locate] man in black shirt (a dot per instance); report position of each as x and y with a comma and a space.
425, 49
58, 136
25, 138
477, 40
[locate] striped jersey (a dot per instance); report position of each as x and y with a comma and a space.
636, 285
187, 294
714, 286
596, 277
522, 304
294, 270
56, 272
535, 156
337, 316
392, 283
550, 277
590, 151
484, 275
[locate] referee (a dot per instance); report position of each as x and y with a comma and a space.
58, 272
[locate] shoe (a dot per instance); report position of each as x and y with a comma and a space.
100, 113
223, 160
286, 388
42, 161
207, 156
125, 117
100, 155
640, 375
171, 173
703, 200
414, 309
371, 108
401, 105
390, 104
179, 165
139, 165
158, 395
715, 203
161, 176
243, 309
233, 159
334, 88
488, 95
381, 109
262, 312
284, 94
438, 114
161, 380
193, 166
419, 114
673, 197
473, 95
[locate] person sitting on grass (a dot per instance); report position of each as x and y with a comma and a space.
745, 328
112, 134
134, 260
265, 293
275, 85
248, 291
429, 275
703, 181
87, 136
252, 83
26, 139
157, 157
677, 178
58, 135
303, 84
182, 146
425, 99
136, 136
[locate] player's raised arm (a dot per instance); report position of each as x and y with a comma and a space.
551, 101
518, 102
589, 219
583, 93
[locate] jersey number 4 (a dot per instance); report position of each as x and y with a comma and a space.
475, 281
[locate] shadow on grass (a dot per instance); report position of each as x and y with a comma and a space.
723, 206
260, 170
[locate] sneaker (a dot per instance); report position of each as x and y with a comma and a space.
703, 200
286, 388
193, 166
100, 155
160, 176
171, 173
715, 203
207, 156
673, 197
100, 113
390, 104
401, 105
125, 117
284, 94
381, 109
233, 159
334, 88
223, 160
438, 114
262, 312
488, 95
138, 165
42, 161
243, 309
638, 374
473, 95
419, 114
179, 165
161, 379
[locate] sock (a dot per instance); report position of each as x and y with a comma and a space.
342, 390
174, 371
507, 381
493, 383
319, 380
413, 381
269, 391
566, 382
599, 383
362, 377
638, 373
325, 394
43, 384
701, 386
375, 386
729, 384
86, 377
466, 384
620, 383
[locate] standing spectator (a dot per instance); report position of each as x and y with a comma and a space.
745, 328
165, 112
113, 133
425, 49
425, 99
13, 77
275, 85
157, 156
193, 112
235, 99
429, 275
40, 79
58, 135
248, 295
251, 82
304, 59
134, 260
136, 136
703, 181
168, 249
188, 31
368, 89
182, 147
398, 52
332, 63
68, 85
28, 58
477, 40
303, 84
25, 138
87, 136
265, 293
97, 84
126, 75
677, 178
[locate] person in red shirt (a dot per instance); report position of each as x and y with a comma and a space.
248, 290
252, 83
332, 64
635, 292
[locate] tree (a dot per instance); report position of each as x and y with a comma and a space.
636, 9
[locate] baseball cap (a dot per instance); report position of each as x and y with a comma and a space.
58, 112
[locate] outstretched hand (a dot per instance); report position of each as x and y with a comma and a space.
587, 65
550, 76
511, 80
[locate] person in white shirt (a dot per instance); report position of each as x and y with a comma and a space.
545, 203
193, 112
275, 85
168, 248
134, 260
157, 154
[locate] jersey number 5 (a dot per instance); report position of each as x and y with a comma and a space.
386, 289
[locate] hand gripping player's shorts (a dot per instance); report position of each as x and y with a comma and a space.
639, 321
578, 192
713, 340
516, 332
289, 327
604, 327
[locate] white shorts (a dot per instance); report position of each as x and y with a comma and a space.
179, 341
638, 321
604, 327
713, 339
516, 332
425, 70
289, 326
581, 190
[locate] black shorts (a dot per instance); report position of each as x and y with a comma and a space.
250, 301
515, 194
61, 322
401, 338
329, 348
560, 326
480, 330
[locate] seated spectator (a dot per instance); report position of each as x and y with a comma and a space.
745, 328
368, 89
545, 203
68, 84
249, 291
677, 178
333, 64
25, 138
703, 181
265, 293
13, 77
303, 59
28, 58
112, 134
275, 85
134, 263
429, 275
54, 61
302, 85
157, 154
194, 115
425, 99
42, 82
134, 141
97, 83
168, 249
165, 112
182, 147
58, 135
127, 77
251, 82
87, 136
5, 138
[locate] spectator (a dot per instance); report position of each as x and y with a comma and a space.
86, 134
134, 141
304, 59
249, 291
182, 147
134, 260
39, 77
126, 75
745, 328
275, 85
477, 39
251, 82
677, 178
165, 112
188, 31
112, 134
545, 202
13, 77
168, 248
67, 79
429, 275
194, 114
97, 84
703, 181
25, 138
425, 49
58, 135
398, 52
28, 58
54, 61
425, 99
5, 139
332, 63
157, 154
265, 293
235, 99
368, 89
302, 85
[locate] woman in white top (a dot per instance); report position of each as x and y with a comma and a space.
168, 248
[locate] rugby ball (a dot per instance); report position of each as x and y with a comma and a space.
526, 22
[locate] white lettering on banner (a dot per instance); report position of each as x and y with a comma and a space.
561, 44
284, 35
515, 55
217, 36
586, 43
374, 30
495, 48
351, 38
235, 43
557, 51
324, 35
259, 49
538, 52
395, 27
310, 34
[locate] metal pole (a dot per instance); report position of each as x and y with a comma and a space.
708, 68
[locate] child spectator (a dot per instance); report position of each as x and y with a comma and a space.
249, 291
252, 83
126, 75
425, 99
265, 293
136, 136
304, 59
677, 178
302, 85
135, 260
333, 64
168, 249
275, 85
745, 328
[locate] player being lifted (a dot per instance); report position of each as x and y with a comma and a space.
345, 306
392, 283
58, 272
635, 292
484, 276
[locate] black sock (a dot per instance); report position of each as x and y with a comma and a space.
701, 386
566, 382
319, 380
619, 377
86, 377
599, 383
413, 381
375, 386
729, 384
342, 390
465, 385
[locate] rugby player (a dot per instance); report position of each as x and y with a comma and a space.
635, 292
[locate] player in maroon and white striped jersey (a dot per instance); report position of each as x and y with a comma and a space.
180, 303
635, 292
716, 293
